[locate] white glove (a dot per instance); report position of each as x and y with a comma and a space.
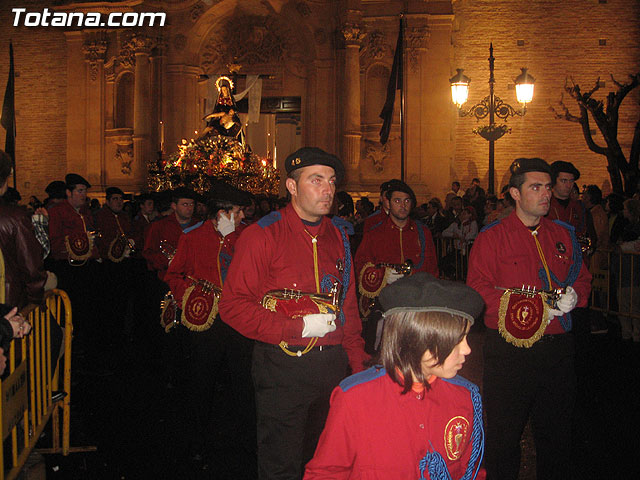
318, 324
392, 276
226, 225
567, 300
552, 312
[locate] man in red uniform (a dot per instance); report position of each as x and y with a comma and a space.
74, 258
162, 237
115, 243
564, 176
204, 255
161, 241
300, 355
414, 418
377, 217
397, 240
528, 350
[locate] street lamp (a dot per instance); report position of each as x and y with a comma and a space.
491, 106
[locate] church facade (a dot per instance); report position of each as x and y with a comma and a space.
104, 101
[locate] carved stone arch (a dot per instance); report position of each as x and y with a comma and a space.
376, 78
124, 87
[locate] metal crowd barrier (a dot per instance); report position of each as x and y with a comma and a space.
34, 376
615, 289
453, 258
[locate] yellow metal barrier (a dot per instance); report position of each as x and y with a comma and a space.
26, 405
453, 258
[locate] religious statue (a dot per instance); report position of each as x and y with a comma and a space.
224, 119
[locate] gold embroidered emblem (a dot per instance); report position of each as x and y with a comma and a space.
456, 435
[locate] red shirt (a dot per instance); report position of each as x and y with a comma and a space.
505, 255
111, 225
203, 254
277, 253
64, 220
388, 243
168, 230
373, 431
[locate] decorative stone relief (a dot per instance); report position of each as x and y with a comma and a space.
417, 39
196, 12
265, 40
352, 34
140, 43
320, 36
124, 156
95, 49
377, 154
374, 50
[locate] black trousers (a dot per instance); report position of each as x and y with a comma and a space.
537, 382
292, 402
219, 352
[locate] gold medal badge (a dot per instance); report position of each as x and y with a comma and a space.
522, 317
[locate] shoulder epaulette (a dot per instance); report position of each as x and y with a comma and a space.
362, 377
193, 227
376, 225
269, 219
463, 382
566, 225
377, 212
491, 225
341, 222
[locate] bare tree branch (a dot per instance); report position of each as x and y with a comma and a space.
566, 115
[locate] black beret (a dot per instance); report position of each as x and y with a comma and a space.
566, 167
524, 165
400, 186
223, 191
56, 189
73, 179
384, 186
422, 292
307, 156
183, 192
113, 191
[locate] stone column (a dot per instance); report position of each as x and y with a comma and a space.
94, 48
141, 46
351, 134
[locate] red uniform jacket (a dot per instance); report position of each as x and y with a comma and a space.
277, 253
168, 230
376, 218
574, 214
387, 243
375, 432
139, 230
203, 254
505, 255
109, 224
64, 220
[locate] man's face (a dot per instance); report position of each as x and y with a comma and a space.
312, 195
78, 196
534, 196
431, 210
115, 203
563, 186
184, 209
400, 205
238, 214
147, 207
455, 187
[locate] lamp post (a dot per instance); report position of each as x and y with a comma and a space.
491, 106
